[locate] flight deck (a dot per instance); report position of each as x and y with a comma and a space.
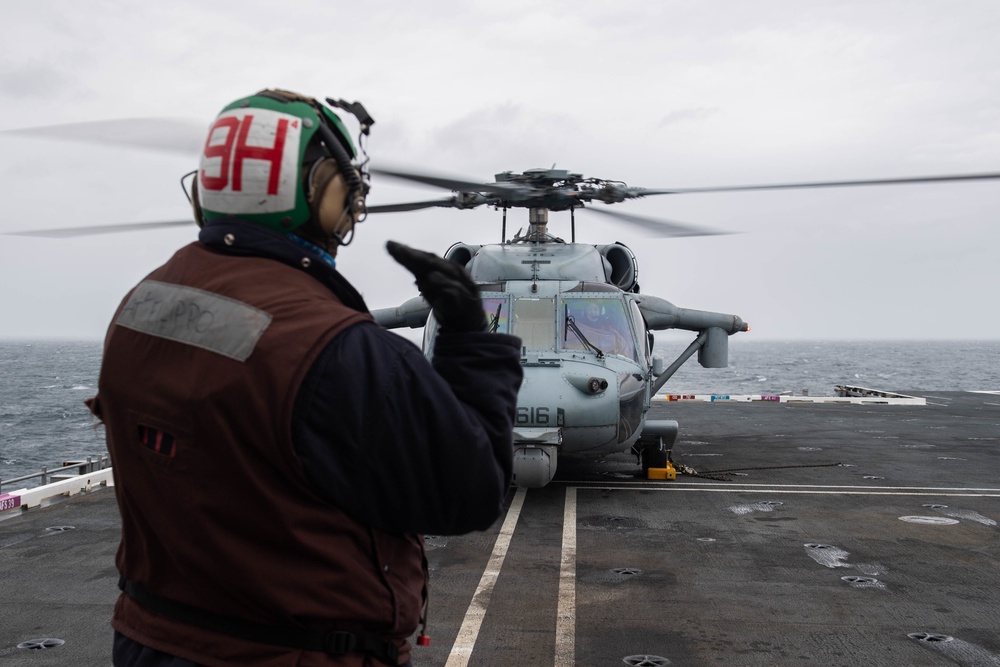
830, 534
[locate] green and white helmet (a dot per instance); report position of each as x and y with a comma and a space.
251, 166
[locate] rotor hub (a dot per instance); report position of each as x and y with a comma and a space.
538, 224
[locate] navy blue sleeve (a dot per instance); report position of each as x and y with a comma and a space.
405, 445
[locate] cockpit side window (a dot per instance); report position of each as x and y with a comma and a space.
645, 338
603, 323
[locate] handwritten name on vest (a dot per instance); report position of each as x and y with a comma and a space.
194, 317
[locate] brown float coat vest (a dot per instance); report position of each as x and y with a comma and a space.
217, 511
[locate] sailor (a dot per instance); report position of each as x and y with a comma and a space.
277, 454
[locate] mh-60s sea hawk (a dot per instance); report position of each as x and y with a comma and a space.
587, 346
590, 371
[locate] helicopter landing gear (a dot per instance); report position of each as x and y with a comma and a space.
656, 463
653, 448
653, 456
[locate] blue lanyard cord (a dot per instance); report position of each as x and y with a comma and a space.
309, 245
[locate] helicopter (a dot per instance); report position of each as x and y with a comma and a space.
590, 371
586, 330
586, 327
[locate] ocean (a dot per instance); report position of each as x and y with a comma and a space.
44, 422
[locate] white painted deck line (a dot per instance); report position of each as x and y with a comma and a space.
566, 609
774, 490
737, 486
461, 650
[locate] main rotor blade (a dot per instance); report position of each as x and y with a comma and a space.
68, 232
658, 226
411, 206
825, 184
447, 183
161, 134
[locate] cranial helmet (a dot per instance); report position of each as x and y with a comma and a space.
254, 158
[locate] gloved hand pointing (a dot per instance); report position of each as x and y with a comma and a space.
447, 287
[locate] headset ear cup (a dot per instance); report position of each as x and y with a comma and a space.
328, 197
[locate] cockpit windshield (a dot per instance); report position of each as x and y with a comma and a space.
599, 324
534, 322
602, 323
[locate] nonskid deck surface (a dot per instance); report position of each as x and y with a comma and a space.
890, 558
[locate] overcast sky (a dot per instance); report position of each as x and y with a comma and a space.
656, 94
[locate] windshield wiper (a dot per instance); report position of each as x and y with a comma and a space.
495, 320
571, 325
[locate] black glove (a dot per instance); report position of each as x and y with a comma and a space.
448, 288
